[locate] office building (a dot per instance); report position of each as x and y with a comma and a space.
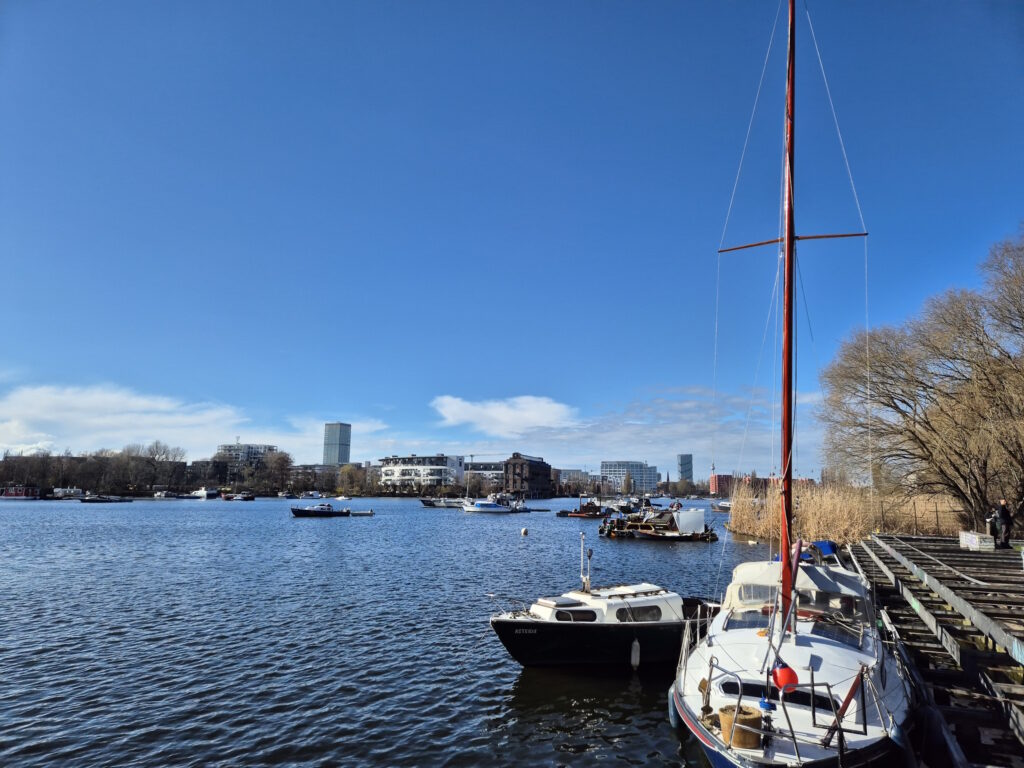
643, 478
684, 466
337, 443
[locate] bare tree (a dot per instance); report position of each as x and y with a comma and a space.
942, 410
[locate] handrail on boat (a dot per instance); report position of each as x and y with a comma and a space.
789, 734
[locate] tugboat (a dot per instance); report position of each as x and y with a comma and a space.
320, 510
625, 625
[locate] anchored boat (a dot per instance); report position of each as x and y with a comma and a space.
638, 625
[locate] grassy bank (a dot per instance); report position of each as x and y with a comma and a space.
842, 514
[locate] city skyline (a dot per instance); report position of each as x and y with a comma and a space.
180, 190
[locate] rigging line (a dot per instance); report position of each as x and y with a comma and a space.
773, 300
750, 124
728, 215
835, 118
860, 214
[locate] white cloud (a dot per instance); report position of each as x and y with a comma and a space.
85, 419
734, 431
512, 417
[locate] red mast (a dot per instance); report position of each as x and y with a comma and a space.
789, 239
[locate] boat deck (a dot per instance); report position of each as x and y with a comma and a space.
960, 616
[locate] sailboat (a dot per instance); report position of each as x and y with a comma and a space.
793, 671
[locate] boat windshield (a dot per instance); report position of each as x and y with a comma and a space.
810, 602
751, 618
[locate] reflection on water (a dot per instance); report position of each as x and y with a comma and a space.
191, 633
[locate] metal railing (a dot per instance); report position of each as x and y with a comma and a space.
790, 735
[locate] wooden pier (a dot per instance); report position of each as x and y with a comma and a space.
959, 615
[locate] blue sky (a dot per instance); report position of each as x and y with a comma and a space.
472, 227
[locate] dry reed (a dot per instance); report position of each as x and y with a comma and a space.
842, 514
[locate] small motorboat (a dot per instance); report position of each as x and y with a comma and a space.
493, 506
362, 513
320, 510
626, 625
343, 497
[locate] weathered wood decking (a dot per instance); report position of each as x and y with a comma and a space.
960, 617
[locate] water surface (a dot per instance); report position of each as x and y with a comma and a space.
191, 632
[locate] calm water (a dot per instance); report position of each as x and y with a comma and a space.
209, 632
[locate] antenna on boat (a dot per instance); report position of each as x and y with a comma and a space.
590, 554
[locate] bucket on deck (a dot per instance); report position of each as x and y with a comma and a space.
740, 738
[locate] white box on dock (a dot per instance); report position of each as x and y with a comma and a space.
977, 542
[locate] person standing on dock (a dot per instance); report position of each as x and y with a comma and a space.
1005, 524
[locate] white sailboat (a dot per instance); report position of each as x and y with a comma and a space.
793, 670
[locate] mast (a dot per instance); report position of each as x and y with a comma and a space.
789, 239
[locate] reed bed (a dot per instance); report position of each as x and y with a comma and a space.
842, 514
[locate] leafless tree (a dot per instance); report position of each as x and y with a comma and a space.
942, 410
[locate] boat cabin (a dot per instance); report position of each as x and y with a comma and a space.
623, 603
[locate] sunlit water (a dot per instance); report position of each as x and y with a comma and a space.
210, 632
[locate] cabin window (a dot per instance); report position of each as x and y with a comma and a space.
757, 593
575, 616
793, 698
639, 613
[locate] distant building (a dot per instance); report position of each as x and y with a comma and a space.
244, 454
414, 472
720, 485
337, 443
322, 476
684, 466
578, 476
528, 476
643, 478
490, 472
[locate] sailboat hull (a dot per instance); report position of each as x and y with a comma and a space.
883, 752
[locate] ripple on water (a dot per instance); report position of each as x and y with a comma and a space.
197, 633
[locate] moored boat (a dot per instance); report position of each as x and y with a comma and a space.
488, 506
794, 671
19, 493
320, 510
638, 625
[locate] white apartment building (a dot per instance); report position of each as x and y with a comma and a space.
421, 471
247, 454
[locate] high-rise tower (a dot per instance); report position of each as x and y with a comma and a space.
337, 443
